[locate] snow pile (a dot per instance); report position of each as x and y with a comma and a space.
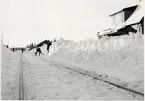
46, 81
44, 49
120, 57
9, 74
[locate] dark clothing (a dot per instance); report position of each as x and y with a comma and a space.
48, 45
7, 46
13, 50
38, 50
22, 50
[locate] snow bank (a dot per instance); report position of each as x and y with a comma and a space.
9, 74
46, 81
44, 49
120, 57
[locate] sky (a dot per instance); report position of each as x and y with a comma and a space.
31, 21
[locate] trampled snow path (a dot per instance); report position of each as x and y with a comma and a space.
46, 81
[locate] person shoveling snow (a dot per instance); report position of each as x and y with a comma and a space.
38, 50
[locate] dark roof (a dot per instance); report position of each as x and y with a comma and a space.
43, 42
130, 7
17, 48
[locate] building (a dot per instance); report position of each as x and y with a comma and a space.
42, 43
129, 19
122, 15
44, 46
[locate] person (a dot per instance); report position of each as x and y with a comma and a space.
22, 50
48, 45
7, 46
13, 49
54, 40
38, 50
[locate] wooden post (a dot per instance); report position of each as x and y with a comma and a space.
2, 39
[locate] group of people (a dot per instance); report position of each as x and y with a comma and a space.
22, 49
38, 49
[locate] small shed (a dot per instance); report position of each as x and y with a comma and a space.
42, 43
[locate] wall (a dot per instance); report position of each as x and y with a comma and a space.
118, 18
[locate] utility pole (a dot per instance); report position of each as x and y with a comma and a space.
2, 39
8, 43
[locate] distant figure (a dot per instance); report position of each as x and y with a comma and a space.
48, 45
13, 49
54, 40
22, 50
7, 46
38, 50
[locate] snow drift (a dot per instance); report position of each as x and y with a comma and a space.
9, 74
120, 57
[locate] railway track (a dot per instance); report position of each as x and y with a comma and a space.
21, 86
21, 89
97, 78
108, 82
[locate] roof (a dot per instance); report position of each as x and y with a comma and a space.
43, 42
135, 18
124, 9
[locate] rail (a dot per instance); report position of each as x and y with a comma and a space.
21, 88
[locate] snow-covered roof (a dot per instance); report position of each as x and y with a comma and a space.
123, 9
134, 18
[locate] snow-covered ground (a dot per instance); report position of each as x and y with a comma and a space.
117, 59
46, 81
9, 74
120, 58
